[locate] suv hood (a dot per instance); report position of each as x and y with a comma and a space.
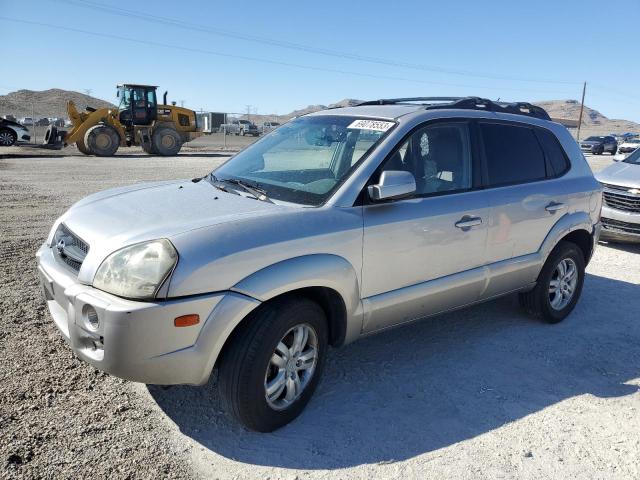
622, 174
112, 219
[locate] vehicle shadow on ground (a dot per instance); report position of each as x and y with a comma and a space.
623, 247
430, 385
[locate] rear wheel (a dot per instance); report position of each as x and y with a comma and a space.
559, 284
166, 141
272, 366
7, 137
102, 140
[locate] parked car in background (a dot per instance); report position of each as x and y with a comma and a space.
629, 145
599, 145
240, 127
269, 126
43, 122
12, 132
56, 121
621, 199
27, 121
337, 225
10, 117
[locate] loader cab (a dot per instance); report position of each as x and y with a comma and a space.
138, 104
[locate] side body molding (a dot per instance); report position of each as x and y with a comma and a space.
321, 270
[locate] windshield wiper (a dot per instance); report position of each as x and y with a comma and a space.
258, 193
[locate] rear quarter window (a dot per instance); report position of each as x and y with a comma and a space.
556, 156
513, 154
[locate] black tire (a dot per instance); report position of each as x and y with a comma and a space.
51, 135
244, 363
102, 140
614, 151
537, 302
81, 146
166, 141
148, 148
7, 137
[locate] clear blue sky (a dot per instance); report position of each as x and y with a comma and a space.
515, 50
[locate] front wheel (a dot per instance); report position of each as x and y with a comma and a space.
559, 284
272, 366
7, 137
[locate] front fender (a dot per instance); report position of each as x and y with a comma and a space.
321, 270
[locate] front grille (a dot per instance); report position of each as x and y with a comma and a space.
69, 248
620, 199
618, 226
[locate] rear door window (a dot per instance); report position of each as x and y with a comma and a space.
513, 154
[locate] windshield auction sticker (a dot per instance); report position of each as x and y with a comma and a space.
376, 125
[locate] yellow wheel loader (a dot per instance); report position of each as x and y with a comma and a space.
138, 120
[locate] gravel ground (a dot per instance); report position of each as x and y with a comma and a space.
485, 392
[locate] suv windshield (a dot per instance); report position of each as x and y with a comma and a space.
305, 160
633, 158
594, 139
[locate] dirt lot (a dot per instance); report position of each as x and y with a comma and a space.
482, 393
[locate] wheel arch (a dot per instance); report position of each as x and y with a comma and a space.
575, 227
329, 280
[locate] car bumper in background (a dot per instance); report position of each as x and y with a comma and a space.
619, 225
138, 340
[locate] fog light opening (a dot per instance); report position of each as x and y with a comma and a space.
90, 316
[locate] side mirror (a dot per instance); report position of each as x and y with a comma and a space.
393, 184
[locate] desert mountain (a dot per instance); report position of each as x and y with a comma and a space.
52, 103
46, 103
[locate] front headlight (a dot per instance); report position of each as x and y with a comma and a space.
137, 271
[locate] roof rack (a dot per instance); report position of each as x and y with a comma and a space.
467, 103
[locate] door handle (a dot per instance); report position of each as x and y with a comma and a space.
466, 222
553, 207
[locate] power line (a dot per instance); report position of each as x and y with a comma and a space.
305, 48
264, 60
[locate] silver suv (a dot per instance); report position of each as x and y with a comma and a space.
337, 225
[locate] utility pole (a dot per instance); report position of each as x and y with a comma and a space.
584, 89
33, 119
87, 91
248, 112
182, 103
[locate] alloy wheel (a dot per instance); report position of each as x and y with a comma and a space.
563, 283
291, 366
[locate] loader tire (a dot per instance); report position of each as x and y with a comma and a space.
148, 148
166, 141
102, 140
82, 148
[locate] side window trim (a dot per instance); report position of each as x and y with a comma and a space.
475, 162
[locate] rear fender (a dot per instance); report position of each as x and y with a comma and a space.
567, 224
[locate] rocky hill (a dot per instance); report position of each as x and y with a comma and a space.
593, 122
52, 103
46, 103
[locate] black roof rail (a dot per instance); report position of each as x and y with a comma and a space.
395, 101
468, 103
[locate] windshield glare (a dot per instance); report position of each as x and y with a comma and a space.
633, 157
305, 160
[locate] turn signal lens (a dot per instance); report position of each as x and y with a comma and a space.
186, 320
